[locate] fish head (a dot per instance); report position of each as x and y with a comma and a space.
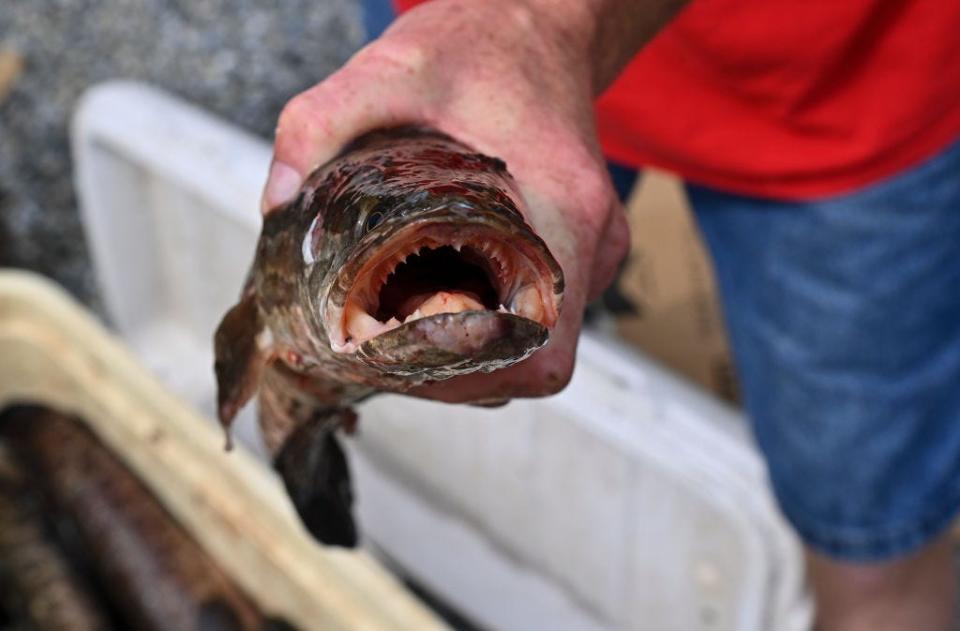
440, 276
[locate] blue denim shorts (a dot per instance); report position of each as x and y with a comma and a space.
844, 317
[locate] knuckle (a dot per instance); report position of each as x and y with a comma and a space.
619, 237
555, 376
594, 194
519, 16
395, 54
558, 381
294, 113
595, 190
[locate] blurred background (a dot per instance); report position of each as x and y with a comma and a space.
241, 59
634, 500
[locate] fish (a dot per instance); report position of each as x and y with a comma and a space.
154, 573
39, 587
407, 259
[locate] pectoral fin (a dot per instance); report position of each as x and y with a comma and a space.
242, 350
298, 421
314, 470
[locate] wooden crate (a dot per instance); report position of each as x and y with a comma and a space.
52, 352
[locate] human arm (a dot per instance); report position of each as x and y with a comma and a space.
514, 79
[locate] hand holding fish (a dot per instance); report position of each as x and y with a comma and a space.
497, 77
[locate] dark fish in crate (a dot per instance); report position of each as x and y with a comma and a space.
155, 574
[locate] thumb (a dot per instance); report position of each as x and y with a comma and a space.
366, 94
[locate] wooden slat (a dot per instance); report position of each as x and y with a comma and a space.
53, 352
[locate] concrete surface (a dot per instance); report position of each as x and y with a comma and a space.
241, 59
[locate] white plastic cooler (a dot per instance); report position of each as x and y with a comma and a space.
630, 501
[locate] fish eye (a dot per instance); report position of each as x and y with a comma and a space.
373, 220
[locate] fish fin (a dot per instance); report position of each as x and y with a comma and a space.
298, 420
241, 354
216, 614
277, 624
315, 472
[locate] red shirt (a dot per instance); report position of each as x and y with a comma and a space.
789, 98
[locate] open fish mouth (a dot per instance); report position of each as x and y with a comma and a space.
447, 289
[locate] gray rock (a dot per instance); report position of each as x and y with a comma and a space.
241, 59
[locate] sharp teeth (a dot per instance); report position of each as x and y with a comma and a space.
527, 303
360, 325
416, 315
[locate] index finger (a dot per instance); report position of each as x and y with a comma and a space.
372, 91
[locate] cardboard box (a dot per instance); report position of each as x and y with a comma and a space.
673, 312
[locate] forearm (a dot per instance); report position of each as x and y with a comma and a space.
603, 34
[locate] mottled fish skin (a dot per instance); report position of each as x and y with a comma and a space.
278, 339
39, 588
157, 576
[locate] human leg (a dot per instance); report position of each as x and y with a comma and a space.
912, 592
844, 317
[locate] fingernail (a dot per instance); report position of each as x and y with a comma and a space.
490, 403
283, 184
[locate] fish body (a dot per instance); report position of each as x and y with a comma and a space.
38, 584
406, 259
157, 577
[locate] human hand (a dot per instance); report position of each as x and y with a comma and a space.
510, 82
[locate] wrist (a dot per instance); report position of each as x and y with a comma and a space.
603, 34
568, 28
